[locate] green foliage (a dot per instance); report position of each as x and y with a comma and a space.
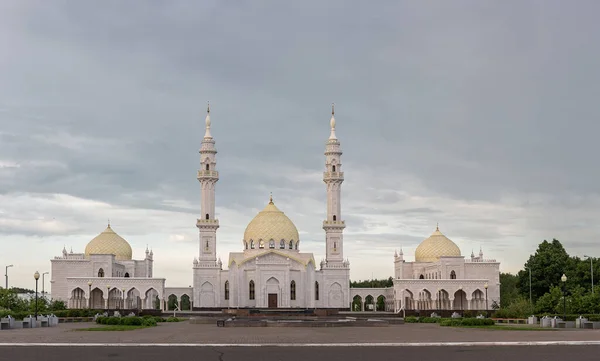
411, 319
519, 308
127, 321
173, 319
509, 291
457, 322
149, 322
384, 283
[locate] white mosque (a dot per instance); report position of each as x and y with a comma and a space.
270, 271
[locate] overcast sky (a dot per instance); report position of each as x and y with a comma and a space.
479, 115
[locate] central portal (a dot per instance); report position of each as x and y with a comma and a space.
272, 300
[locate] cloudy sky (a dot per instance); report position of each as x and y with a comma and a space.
479, 115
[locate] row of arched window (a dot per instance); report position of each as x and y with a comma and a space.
282, 244
119, 274
436, 275
252, 290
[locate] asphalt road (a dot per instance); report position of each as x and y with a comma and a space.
437, 353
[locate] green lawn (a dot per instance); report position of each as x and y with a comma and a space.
112, 328
510, 328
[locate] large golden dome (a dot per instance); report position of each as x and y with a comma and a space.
436, 246
271, 224
108, 242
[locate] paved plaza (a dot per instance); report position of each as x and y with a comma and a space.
184, 332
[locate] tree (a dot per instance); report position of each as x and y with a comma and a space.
509, 291
384, 283
547, 265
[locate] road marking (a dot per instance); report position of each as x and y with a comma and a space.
393, 344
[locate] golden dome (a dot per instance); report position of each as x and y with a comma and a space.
436, 246
271, 224
108, 242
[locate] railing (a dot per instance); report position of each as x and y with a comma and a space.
477, 260
203, 222
334, 223
208, 173
333, 174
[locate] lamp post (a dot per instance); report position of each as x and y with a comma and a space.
108, 299
6, 274
461, 298
90, 295
530, 298
36, 275
564, 289
486, 299
591, 271
43, 281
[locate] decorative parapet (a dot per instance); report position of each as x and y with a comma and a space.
212, 174
477, 260
209, 223
333, 175
207, 264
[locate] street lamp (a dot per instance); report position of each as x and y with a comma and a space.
108, 299
6, 274
90, 295
461, 298
43, 281
564, 289
486, 299
592, 271
36, 275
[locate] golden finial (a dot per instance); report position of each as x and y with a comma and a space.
271, 198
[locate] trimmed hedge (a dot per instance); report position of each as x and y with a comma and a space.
134, 320
467, 322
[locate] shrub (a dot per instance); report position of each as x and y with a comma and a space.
113, 321
150, 321
411, 319
131, 321
173, 319
429, 319
467, 322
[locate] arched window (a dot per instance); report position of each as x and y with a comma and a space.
452, 275
261, 244
293, 290
316, 290
271, 244
334, 246
333, 168
126, 274
246, 244
226, 290
282, 244
207, 167
292, 244
252, 244
334, 218
207, 217
251, 290
421, 277
100, 272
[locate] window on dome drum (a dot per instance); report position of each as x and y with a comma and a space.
207, 216
126, 274
261, 244
452, 275
252, 244
100, 272
292, 244
271, 244
207, 167
251, 290
316, 291
421, 277
226, 290
282, 244
334, 218
293, 290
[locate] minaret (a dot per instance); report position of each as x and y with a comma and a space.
208, 177
333, 178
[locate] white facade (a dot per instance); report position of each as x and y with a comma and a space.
439, 279
271, 271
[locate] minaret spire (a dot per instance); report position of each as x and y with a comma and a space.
332, 122
207, 134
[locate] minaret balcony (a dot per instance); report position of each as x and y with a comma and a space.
333, 175
208, 174
208, 223
334, 224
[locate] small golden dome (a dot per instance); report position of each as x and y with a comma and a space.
271, 224
436, 246
108, 242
